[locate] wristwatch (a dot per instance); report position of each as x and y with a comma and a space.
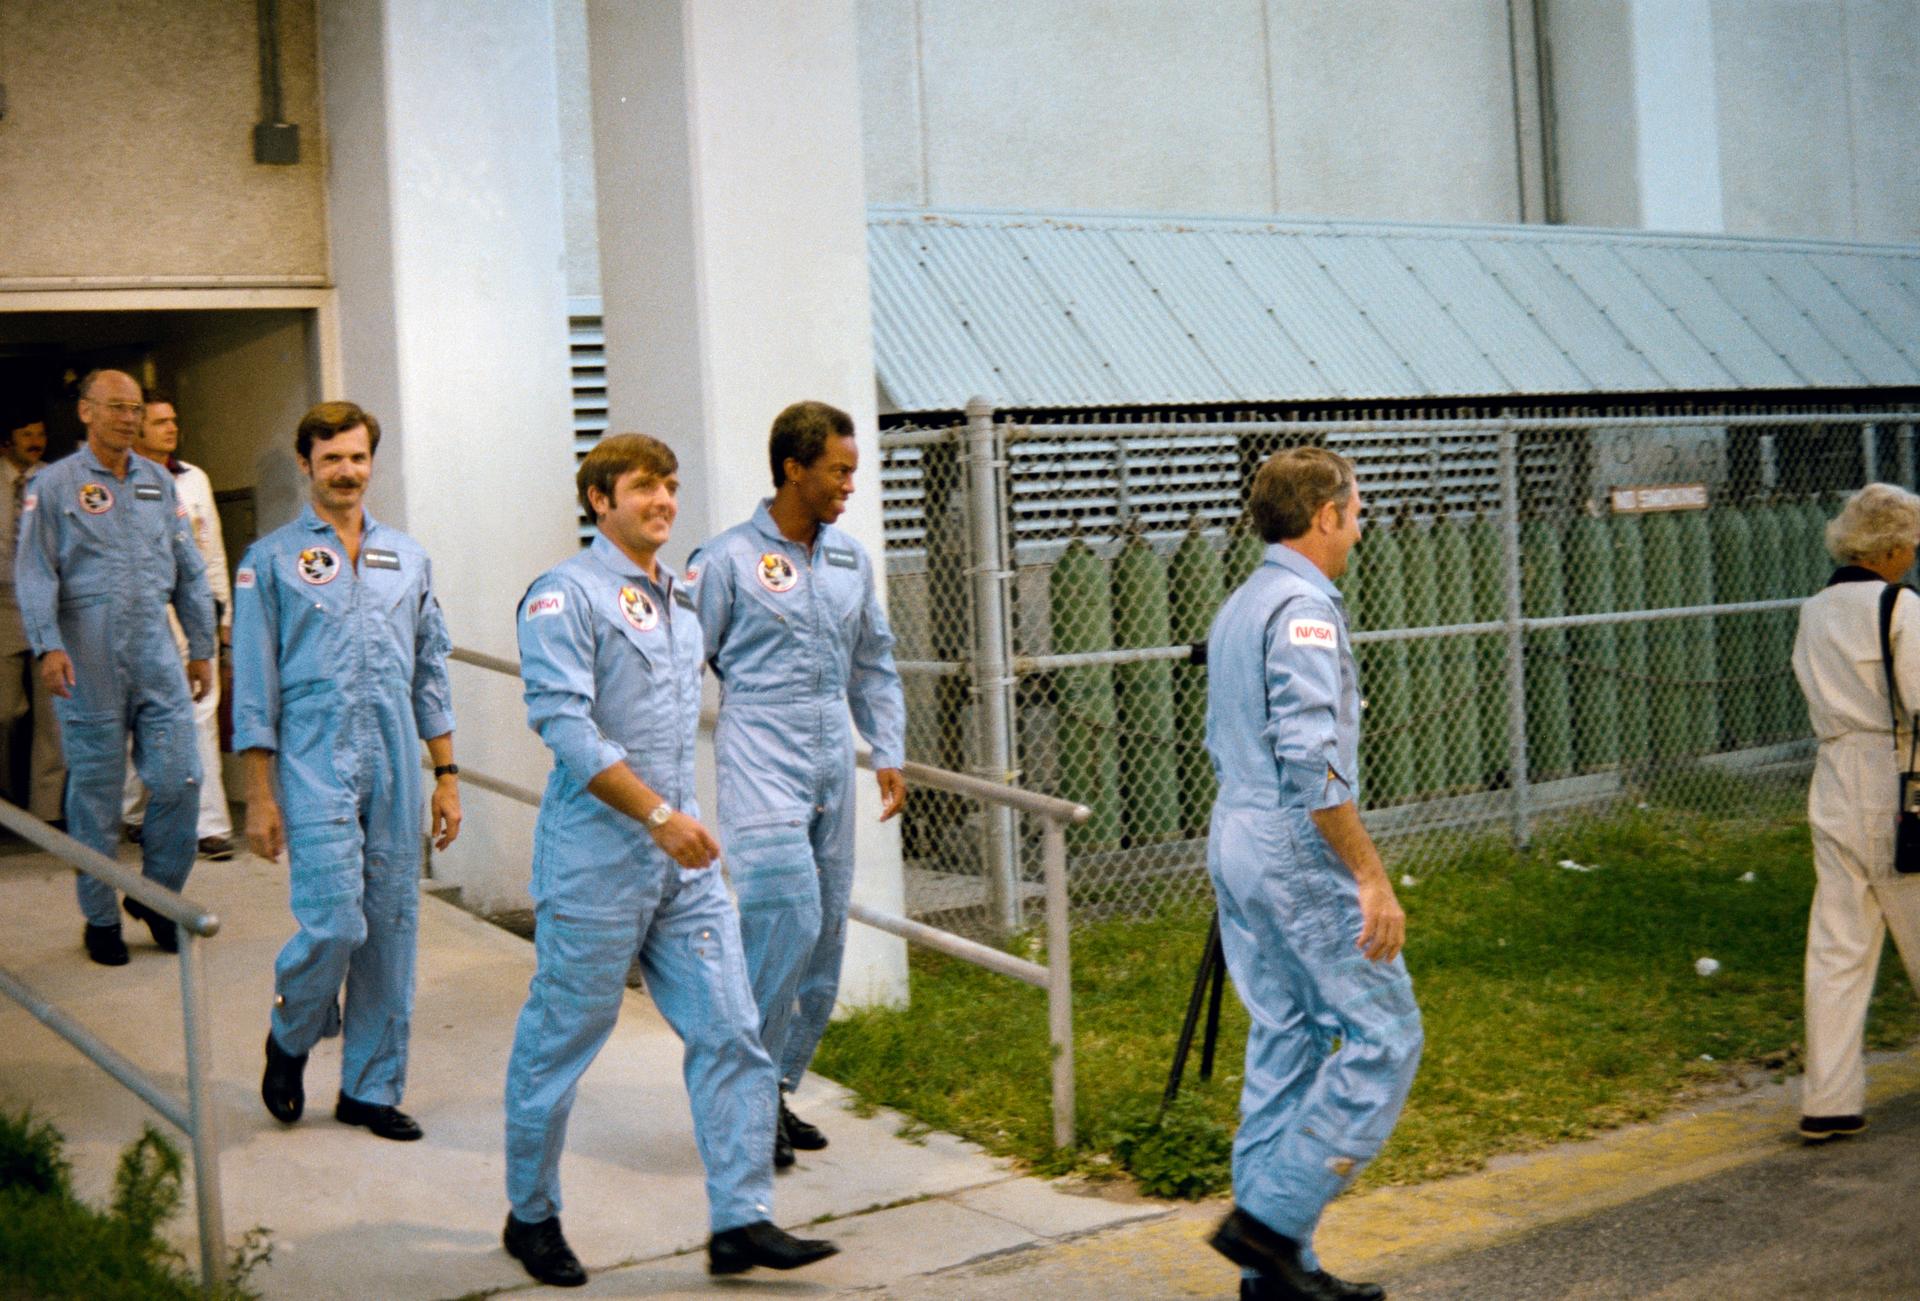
658, 815
447, 770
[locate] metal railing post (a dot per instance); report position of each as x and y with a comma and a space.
992, 649
1516, 637
1059, 979
205, 1139
1869, 454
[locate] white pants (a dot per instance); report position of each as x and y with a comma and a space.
1857, 899
215, 820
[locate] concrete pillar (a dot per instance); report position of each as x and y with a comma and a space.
732, 225
1676, 115
444, 199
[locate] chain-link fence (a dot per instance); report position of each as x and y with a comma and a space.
1552, 611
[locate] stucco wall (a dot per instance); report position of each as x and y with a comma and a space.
1372, 108
127, 146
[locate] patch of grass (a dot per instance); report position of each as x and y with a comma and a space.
54, 1247
1557, 1004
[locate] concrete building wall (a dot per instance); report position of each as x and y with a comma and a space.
1366, 109
1802, 117
127, 145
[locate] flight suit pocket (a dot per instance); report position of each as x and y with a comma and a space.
325, 880
770, 862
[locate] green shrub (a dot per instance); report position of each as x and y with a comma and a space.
1184, 1152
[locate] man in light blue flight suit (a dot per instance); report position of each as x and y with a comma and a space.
610, 652
1308, 920
339, 672
796, 635
103, 550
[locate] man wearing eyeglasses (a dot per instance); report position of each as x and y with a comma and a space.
103, 551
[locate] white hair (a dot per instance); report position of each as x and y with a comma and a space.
1877, 519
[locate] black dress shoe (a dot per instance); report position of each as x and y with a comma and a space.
385, 1121
281, 1088
762, 1243
166, 936
782, 1148
800, 1135
216, 849
104, 945
544, 1252
1250, 1244
1328, 1288
1819, 1129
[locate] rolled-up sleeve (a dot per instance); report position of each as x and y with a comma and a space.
556, 669
432, 691
1303, 697
256, 662
873, 691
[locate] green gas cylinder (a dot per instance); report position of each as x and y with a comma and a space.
1595, 671
1739, 638
1196, 584
1458, 676
1082, 613
1630, 639
1543, 595
1143, 694
1243, 555
1669, 644
1484, 555
1379, 601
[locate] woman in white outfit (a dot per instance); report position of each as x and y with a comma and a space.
1857, 896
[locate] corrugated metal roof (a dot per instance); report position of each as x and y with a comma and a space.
1040, 310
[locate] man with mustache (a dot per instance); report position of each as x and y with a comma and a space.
797, 637
610, 653
339, 672
103, 551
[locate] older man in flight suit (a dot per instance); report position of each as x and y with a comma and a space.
610, 652
796, 635
1308, 920
339, 672
103, 551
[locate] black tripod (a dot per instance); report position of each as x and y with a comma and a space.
1213, 972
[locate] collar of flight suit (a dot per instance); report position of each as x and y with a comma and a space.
623, 565
1287, 558
85, 452
311, 521
763, 520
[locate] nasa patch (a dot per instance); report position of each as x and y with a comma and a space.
1313, 632
243, 578
317, 565
776, 573
95, 498
638, 609
545, 604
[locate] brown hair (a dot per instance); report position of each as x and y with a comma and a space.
329, 420
1289, 490
801, 432
617, 455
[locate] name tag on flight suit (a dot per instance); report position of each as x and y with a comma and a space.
378, 559
842, 557
147, 492
681, 599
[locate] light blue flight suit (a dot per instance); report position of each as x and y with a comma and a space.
611, 663
797, 637
99, 561
342, 673
1283, 729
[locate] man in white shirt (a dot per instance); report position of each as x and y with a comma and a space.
158, 440
20, 460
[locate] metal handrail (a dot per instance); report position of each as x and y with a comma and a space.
1055, 976
196, 1117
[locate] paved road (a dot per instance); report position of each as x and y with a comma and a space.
1837, 1221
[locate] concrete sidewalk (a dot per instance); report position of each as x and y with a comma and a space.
355, 1217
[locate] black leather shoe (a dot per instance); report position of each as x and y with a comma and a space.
166, 936
762, 1243
1250, 1244
104, 945
281, 1088
800, 1135
1818, 1129
1338, 1289
544, 1252
384, 1121
782, 1147
216, 849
